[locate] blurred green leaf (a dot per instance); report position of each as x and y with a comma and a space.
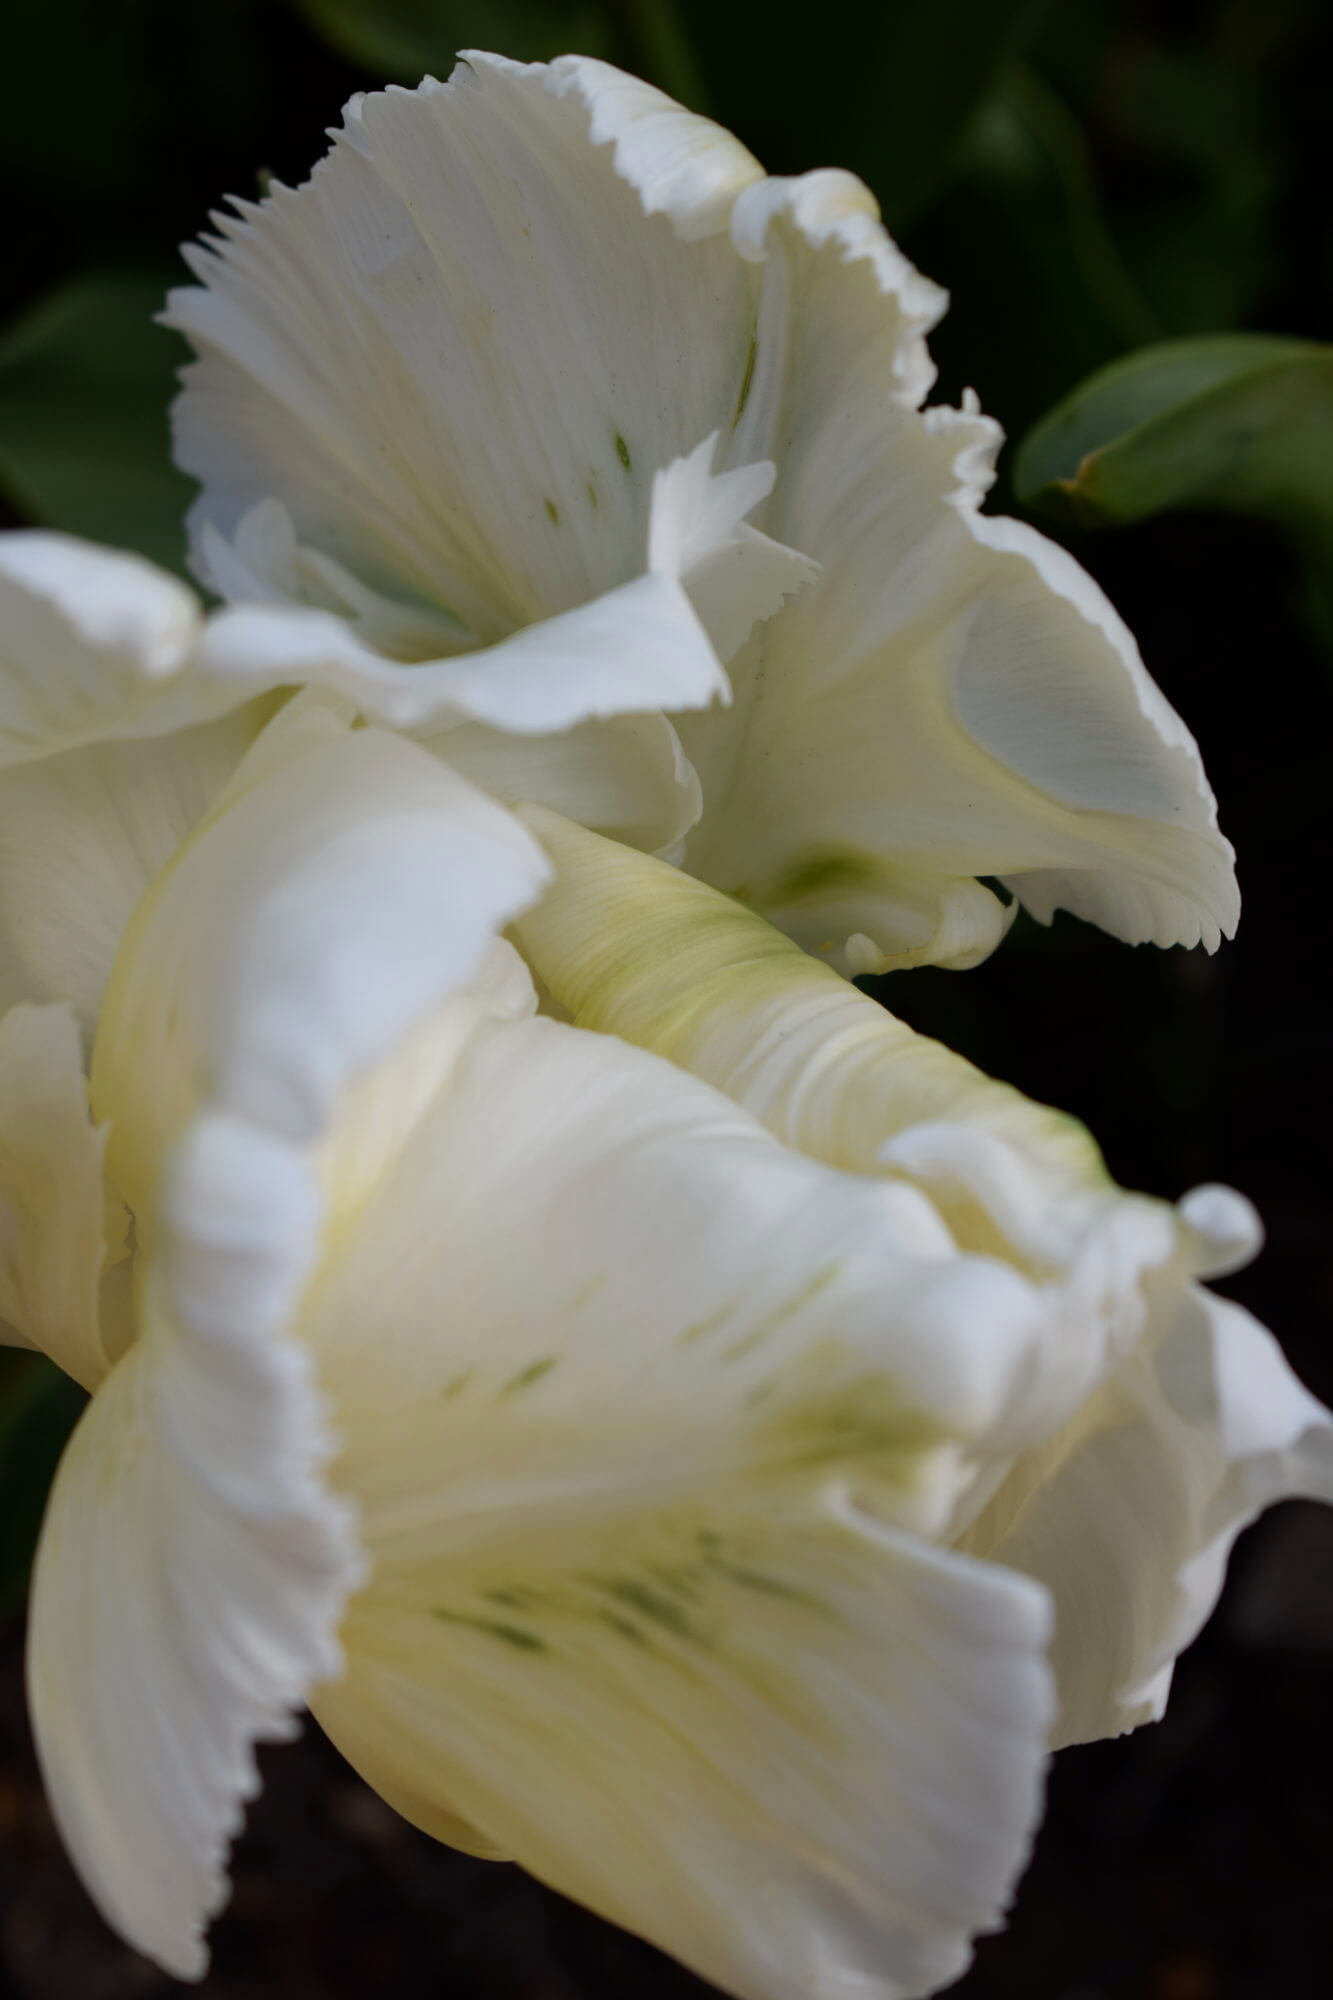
1180, 109
1240, 423
408, 39
85, 381
38, 1408
1040, 293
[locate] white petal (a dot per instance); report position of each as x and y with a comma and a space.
192, 1567
93, 643
637, 648
1130, 1515
626, 775
629, 947
652, 642
1159, 1419
807, 1762
346, 883
799, 1282
736, 576
637, 1371
83, 834
458, 355
681, 165
57, 1227
838, 903
953, 696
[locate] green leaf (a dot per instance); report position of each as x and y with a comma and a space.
1242, 422
1132, 394
408, 39
38, 1409
85, 382
1239, 423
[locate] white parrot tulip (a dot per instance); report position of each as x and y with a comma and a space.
699, 1470
540, 422
1159, 1420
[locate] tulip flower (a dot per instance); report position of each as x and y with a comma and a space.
690, 1447
541, 422
1180, 1419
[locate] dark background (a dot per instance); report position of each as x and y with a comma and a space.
1086, 177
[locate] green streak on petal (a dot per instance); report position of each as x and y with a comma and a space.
622, 451
532, 1373
767, 1586
552, 512
827, 871
624, 1627
861, 1421
708, 1324
651, 1603
586, 1293
516, 1636
808, 1292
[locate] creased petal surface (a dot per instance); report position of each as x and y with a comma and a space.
1129, 1515
94, 642
57, 1228
345, 882
192, 1564
638, 1451
954, 695
83, 833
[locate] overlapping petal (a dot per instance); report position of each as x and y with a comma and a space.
345, 882
195, 1563
94, 643
1160, 1420
457, 364
58, 1230
456, 356
1129, 1516
83, 833
954, 696
629, 1449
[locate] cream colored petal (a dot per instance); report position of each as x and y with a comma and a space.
633, 948
644, 1394
192, 1565
837, 903
1129, 1516
82, 834
459, 354
697, 531
802, 1755
638, 648
94, 642
625, 775
682, 166
953, 696
801, 1285
344, 885
57, 1228
654, 641
630, 947
1160, 1419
